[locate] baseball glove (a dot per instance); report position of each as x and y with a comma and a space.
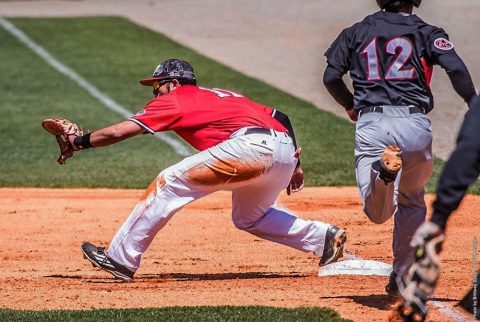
63, 129
419, 283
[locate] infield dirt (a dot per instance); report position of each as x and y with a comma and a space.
200, 258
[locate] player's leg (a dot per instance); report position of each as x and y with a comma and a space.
409, 216
379, 199
254, 212
219, 167
416, 171
373, 133
166, 195
411, 210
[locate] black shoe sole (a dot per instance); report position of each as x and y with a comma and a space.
114, 273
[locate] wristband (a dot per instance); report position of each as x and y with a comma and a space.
83, 142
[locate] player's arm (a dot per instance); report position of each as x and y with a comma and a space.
333, 81
459, 75
442, 52
107, 136
338, 63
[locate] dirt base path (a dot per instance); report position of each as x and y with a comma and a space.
200, 258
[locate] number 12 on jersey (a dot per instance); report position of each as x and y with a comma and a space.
399, 47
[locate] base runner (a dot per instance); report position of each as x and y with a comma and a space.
390, 57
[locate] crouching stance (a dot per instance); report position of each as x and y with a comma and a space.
245, 147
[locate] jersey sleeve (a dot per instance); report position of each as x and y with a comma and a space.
338, 55
439, 44
442, 53
160, 114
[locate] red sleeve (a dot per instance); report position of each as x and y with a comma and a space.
160, 114
268, 110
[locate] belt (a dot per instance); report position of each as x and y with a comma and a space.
261, 130
379, 109
258, 130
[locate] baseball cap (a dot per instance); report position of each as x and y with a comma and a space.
171, 69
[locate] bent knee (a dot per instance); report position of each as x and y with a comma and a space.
377, 217
245, 224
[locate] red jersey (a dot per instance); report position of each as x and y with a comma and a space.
204, 117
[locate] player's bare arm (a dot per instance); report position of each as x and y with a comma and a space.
70, 137
106, 136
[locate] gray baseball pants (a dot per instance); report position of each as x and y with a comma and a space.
404, 197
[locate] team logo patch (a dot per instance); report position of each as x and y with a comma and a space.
443, 44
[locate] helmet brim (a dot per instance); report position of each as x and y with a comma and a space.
150, 81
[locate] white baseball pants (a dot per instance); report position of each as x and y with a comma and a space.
255, 167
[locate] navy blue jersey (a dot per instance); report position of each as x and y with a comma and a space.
390, 58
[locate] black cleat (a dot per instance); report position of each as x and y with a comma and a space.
334, 242
392, 287
98, 258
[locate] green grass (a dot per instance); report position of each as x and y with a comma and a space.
112, 54
218, 314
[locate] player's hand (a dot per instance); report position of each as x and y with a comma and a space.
419, 283
352, 114
296, 182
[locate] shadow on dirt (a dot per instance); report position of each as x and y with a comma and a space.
186, 277
378, 301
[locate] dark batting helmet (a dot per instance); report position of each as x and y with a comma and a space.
383, 3
171, 69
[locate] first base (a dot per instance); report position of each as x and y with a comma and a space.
356, 267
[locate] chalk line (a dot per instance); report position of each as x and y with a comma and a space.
177, 145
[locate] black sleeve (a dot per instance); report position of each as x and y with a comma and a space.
459, 75
332, 78
338, 54
462, 168
285, 121
442, 52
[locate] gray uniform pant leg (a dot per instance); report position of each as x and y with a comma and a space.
411, 211
403, 198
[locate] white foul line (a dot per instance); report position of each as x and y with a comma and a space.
177, 145
449, 311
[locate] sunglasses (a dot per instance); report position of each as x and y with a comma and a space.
156, 86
